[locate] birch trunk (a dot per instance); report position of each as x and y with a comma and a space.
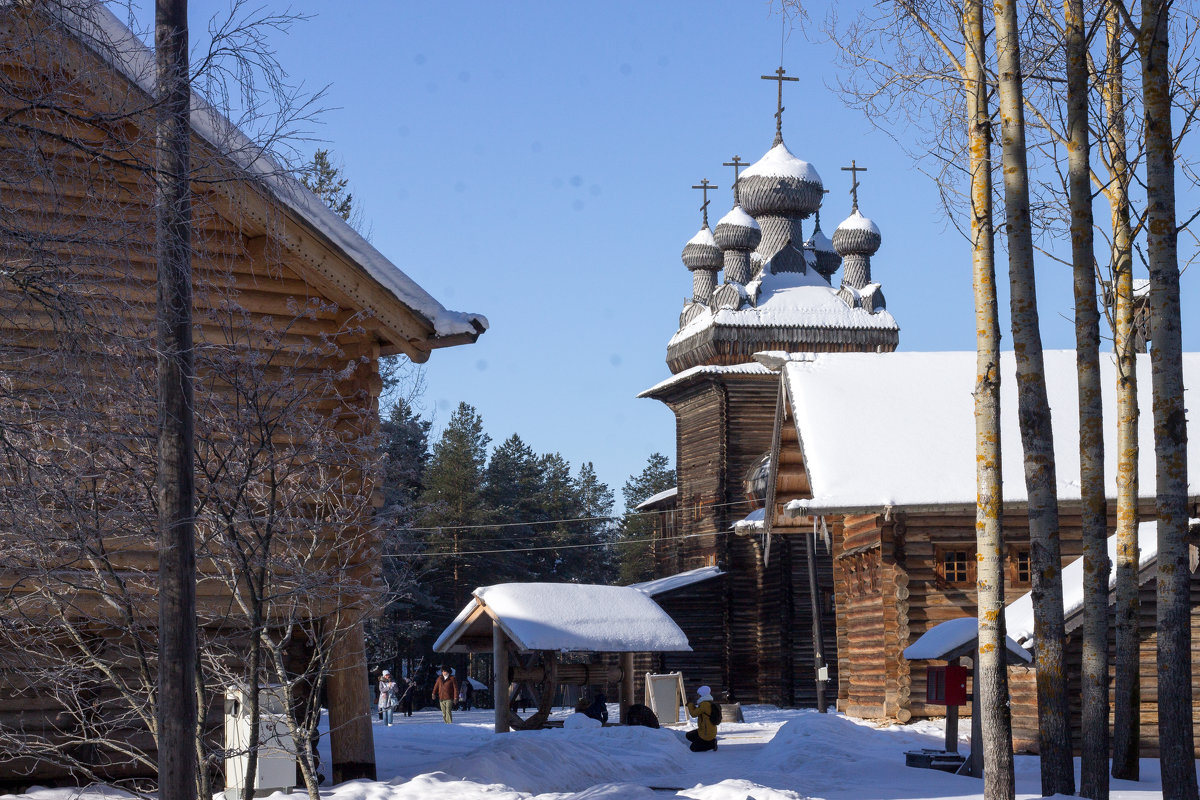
1176, 757
992, 692
177, 765
1126, 749
1094, 516
1033, 412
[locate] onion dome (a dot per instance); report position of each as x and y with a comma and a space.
737, 230
825, 258
856, 240
780, 184
857, 235
701, 251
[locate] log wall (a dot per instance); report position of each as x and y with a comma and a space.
77, 310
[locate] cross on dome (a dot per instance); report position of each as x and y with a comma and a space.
854, 169
737, 165
705, 186
778, 76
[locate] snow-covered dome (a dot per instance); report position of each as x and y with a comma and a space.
737, 230
701, 251
857, 235
825, 258
779, 183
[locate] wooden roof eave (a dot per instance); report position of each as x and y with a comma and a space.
466, 630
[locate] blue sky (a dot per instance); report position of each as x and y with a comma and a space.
531, 161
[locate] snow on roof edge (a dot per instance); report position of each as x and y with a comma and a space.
749, 368
106, 36
654, 498
677, 581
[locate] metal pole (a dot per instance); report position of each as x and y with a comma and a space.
818, 638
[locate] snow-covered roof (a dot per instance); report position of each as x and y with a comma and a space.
654, 498
104, 34
738, 216
678, 581
955, 638
1018, 616
749, 368
790, 300
780, 163
756, 520
703, 236
568, 617
856, 221
917, 411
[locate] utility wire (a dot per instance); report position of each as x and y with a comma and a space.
549, 547
611, 518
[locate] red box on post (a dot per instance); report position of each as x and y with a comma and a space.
946, 686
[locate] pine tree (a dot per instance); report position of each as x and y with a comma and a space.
325, 181
452, 505
403, 622
635, 553
513, 484
594, 501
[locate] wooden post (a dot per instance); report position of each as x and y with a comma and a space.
952, 722
500, 678
351, 742
974, 764
626, 684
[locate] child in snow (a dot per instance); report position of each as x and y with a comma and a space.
705, 735
387, 696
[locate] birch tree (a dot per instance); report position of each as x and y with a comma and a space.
1094, 512
1175, 737
1033, 412
992, 674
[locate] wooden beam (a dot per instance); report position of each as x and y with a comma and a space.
351, 742
500, 679
626, 685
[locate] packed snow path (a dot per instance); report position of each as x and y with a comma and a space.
776, 754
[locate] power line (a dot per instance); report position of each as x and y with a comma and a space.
549, 547
611, 518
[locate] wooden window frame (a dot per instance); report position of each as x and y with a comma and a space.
940, 553
1012, 567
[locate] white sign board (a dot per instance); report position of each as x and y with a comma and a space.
664, 696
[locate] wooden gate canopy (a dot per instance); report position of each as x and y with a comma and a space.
565, 617
956, 638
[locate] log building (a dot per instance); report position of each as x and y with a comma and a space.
778, 292
901, 515
293, 311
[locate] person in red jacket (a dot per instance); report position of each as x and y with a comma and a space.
445, 689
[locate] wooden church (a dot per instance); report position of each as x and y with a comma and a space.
762, 280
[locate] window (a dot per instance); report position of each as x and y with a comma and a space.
1018, 571
955, 564
1022, 562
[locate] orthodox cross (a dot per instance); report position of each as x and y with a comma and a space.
778, 76
705, 186
737, 165
854, 169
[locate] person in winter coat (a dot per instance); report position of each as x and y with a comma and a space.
410, 694
387, 696
445, 689
705, 735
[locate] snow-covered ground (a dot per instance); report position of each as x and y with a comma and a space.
776, 754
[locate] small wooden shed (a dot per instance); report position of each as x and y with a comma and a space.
516, 622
